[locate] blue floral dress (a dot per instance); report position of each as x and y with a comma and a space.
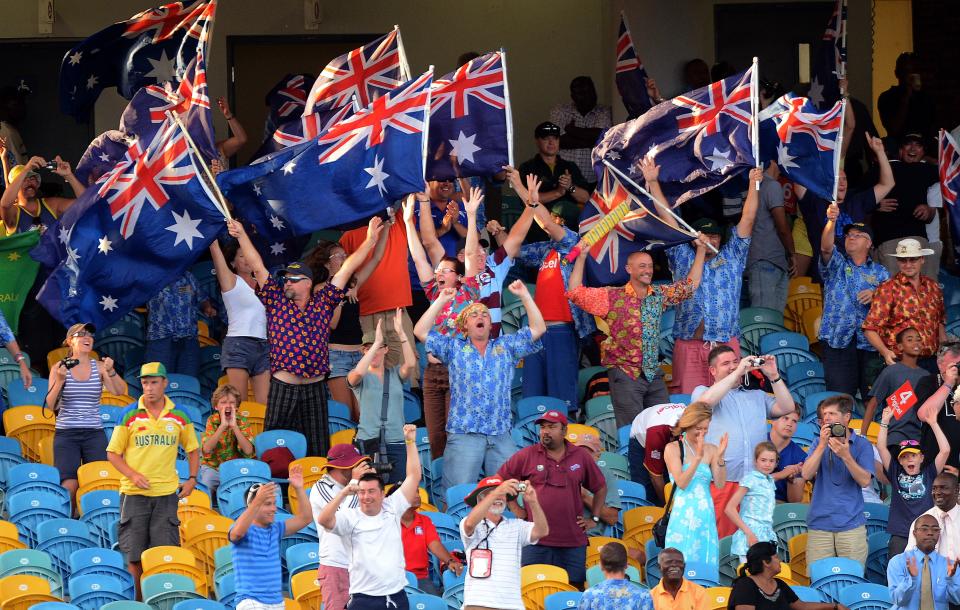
693, 525
756, 510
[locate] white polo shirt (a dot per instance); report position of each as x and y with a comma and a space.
323, 491
502, 588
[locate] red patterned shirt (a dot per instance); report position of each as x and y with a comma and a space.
634, 322
897, 305
299, 337
467, 292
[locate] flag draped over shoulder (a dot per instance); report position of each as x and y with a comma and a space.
631, 76
471, 132
616, 223
700, 139
17, 273
138, 228
803, 141
353, 170
949, 158
152, 47
829, 62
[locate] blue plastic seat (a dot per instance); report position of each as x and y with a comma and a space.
11, 455
728, 562
833, 574
182, 383
127, 605
423, 601
528, 427
616, 464
338, 415
538, 405
780, 340
456, 507
436, 488
102, 562
93, 591
30, 477
29, 509
412, 413
805, 434
877, 516
791, 356
809, 594
751, 334
268, 439
100, 510
877, 548
54, 606
623, 440
789, 520
866, 597
166, 590
122, 349
33, 563
447, 527
60, 538
199, 604
704, 574
606, 424
236, 476
802, 371
17, 395
301, 557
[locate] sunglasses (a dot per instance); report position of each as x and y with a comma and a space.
909, 443
293, 279
252, 493
444, 270
82, 333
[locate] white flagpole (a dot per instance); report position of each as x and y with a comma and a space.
426, 126
842, 23
404, 66
660, 204
219, 200
837, 152
507, 109
754, 124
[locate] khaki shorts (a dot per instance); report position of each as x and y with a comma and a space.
850, 543
146, 522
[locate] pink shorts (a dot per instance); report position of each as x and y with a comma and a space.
334, 587
690, 367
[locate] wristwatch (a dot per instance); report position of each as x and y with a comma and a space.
573, 187
596, 519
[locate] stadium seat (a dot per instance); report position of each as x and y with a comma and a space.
594, 544
513, 317
809, 594
341, 437
117, 400
302, 557
632, 495
227, 590
448, 528
204, 535
623, 440
55, 606
804, 371
780, 340
312, 468
866, 597
338, 415
29, 509
422, 601
105, 562
9, 369
812, 401
665, 344
197, 503
456, 507
833, 574
616, 464
788, 521
60, 537
199, 604
37, 478
10, 537
797, 549
703, 574
717, 598
17, 395
877, 548
756, 315
806, 298
810, 323
294, 441
728, 562
10, 455
538, 580
305, 589
94, 476
877, 516
127, 605
584, 376
652, 566
575, 430
606, 425
45, 449
93, 591
595, 575
22, 591
28, 424
172, 560
223, 565
563, 600
538, 405
182, 383
436, 475
255, 413
412, 412
638, 524
164, 590
124, 350
805, 434
236, 476
35, 563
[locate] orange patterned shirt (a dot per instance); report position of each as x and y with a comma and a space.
897, 305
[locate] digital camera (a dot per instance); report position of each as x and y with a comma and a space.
70, 362
838, 430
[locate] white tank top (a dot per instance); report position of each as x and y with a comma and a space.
245, 312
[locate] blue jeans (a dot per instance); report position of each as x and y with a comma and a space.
570, 558
466, 453
638, 472
553, 370
768, 285
180, 356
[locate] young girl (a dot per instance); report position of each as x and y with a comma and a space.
756, 497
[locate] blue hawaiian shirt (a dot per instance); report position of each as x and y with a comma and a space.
6, 333
615, 594
533, 255
480, 383
717, 301
451, 238
843, 315
172, 313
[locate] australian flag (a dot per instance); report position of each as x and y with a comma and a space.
350, 172
631, 76
639, 229
803, 141
950, 181
470, 123
286, 100
130, 234
152, 47
700, 139
830, 60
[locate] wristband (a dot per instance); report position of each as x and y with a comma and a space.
193, 476
408, 442
112, 374
883, 425
20, 357
353, 482
229, 118
776, 380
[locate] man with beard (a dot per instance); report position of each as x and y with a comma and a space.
298, 330
557, 469
493, 544
921, 578
674, 591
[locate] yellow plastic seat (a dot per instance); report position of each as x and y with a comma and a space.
203, 535
638, 524
255, 412
173, 560
22, 591
305, 589
575, 431
312, 472
343, 436
56, 355
717, 598
538, 580
799, 303
28, 424
786, 575
45, 449
10, 537
94, 476
798, 559
116, 400
203, 329
810, 322
289, 604
593, 551
542, 571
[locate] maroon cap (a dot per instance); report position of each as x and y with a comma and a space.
344, 455
487, 483
552, 416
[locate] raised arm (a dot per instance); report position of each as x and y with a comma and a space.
3, 160
327, 519
304, 511
943, 444
63, 169
234, 143
828, 237
226, 278
479, 512
749, 213
428, 232
931, 406
356, 375
784, 399
532, 503
651, 177
409, 365
368, 268
417, 253
471, 205
412, 480
715, 393
885, 456
886, 183
260, 273
534, 317
696, 269
353, 262
265, 495
425, 324
576, 274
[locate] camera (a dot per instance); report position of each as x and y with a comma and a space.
51, 165
521, 487
838, 431
70, 362
756, 361
380, 463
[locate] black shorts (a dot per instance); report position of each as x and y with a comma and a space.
75, 446
146, 522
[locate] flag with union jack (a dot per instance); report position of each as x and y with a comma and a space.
700, 139
152, 47
471, 132
132, 232
640, 228
365, 73
829, 63
353, 170
287, 100
631, 76
803, 141
949, 157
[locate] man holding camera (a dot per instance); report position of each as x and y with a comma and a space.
741, 408
843, 465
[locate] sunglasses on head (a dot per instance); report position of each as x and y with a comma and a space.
252, 492
910, 443
294, 279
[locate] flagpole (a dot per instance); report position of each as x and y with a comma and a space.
837, 153
404, 65
660, 204
220, 202
841, 22
426, 126
754, 124
507, 110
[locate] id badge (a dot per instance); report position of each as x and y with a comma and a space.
480, 563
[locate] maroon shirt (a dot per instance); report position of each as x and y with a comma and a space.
558, 488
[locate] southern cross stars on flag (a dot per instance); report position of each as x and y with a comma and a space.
700, 139
830, 60
803, 141
470, 120
631, 76
131, 233
152, 47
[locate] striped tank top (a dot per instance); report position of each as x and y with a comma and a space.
80, 402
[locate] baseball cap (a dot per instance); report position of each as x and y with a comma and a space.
552, 416
297, 268
858, 226
546, 129
911, 137
587, 441
908, 446
90, 328
153, 369
484, 484
462, 244
707, 226
16, 170
344, 456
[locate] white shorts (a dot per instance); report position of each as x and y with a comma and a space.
252, 604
